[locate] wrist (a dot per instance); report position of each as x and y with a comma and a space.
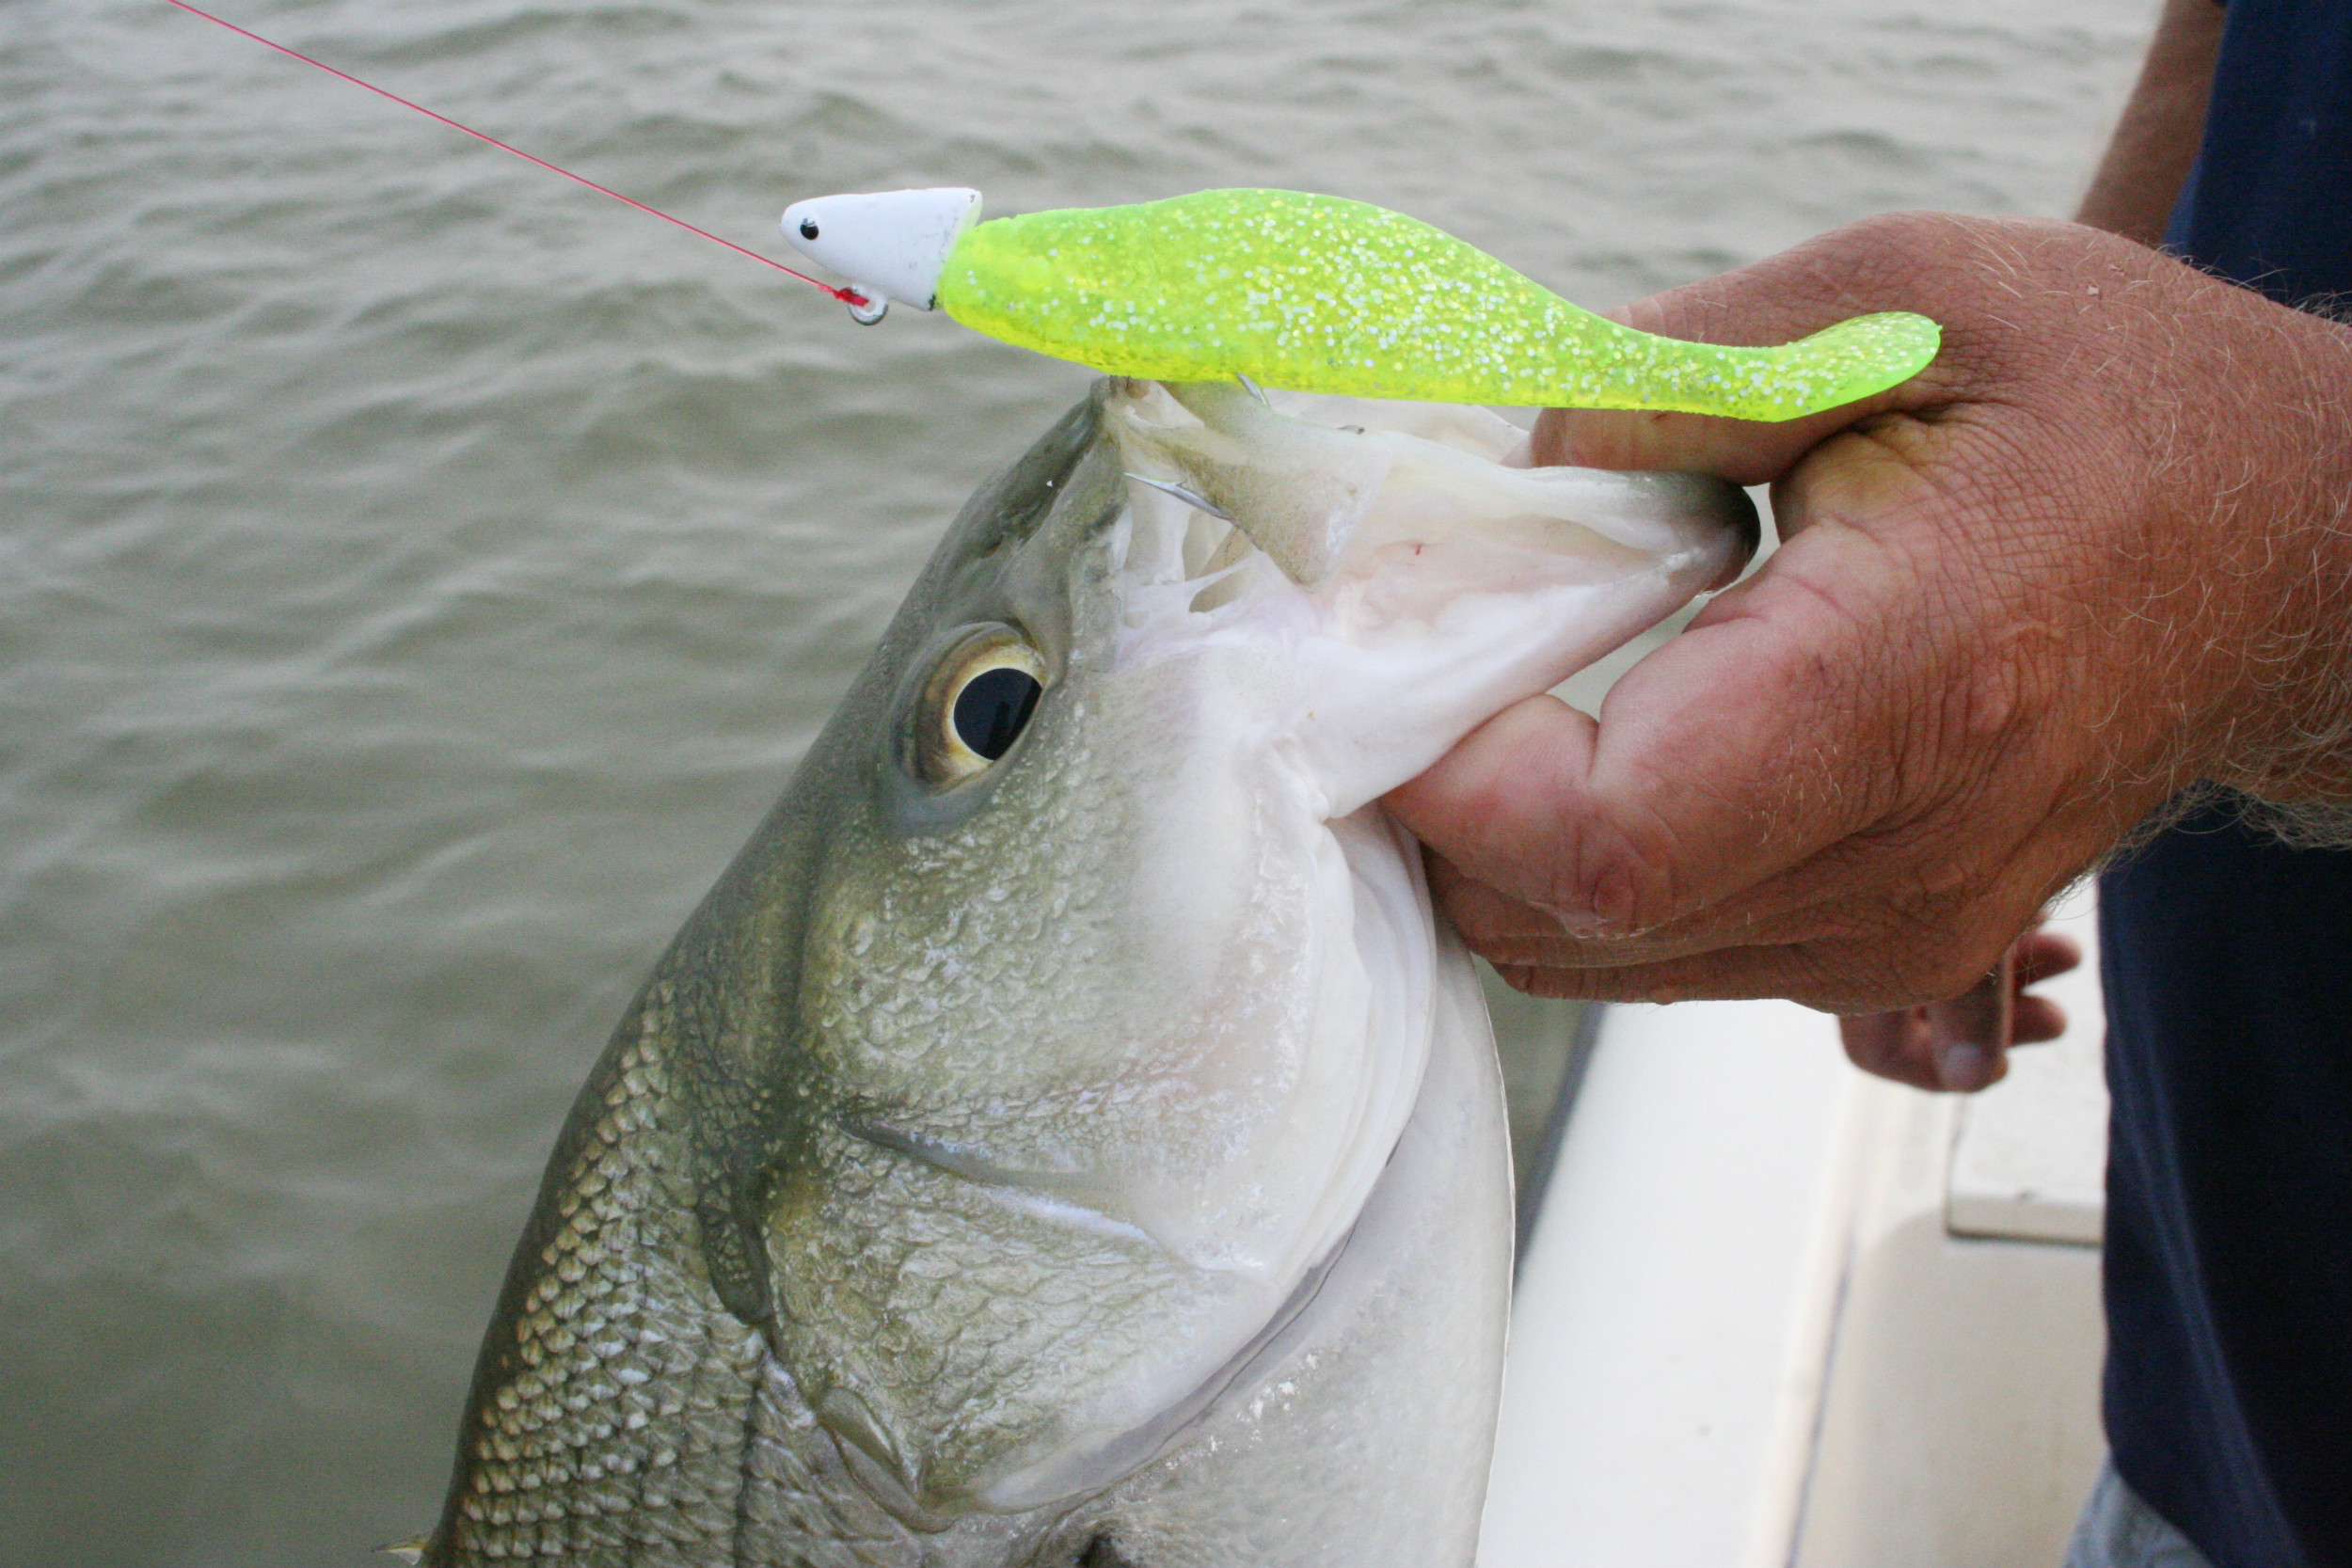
2281, 506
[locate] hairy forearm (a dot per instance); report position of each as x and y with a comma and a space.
2155, 142
2289, 744
2288, 741
2283, 501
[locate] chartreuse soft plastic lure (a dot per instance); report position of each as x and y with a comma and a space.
1313, 293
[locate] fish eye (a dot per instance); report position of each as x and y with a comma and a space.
808, 228
992, 708
976, 705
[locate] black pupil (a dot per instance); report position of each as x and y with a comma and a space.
992, 708
808, 228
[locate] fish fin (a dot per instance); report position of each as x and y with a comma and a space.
411, 1550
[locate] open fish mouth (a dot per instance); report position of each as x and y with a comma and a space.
1394, 552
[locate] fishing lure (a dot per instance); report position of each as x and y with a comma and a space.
1313, 293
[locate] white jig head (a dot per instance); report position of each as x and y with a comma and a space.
893, 245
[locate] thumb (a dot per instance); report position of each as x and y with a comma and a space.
1778, 300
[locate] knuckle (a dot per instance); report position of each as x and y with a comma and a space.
1946, 964
1874, 260
1616, 880
1900, 240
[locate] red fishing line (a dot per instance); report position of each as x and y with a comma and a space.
847, 296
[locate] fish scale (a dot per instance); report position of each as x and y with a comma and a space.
590, 1432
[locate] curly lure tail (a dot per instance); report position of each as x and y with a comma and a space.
1317, 294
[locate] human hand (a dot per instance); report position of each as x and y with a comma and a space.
1962, 1044
2088, 556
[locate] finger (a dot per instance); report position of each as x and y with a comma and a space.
2035, 1020
1959, 1045
1919, 939
1490, 810
1499, 927
1892, 1045
1504, 928
1979, 1014
1746, 452
2039, 956
1969, 1033
2042, 954
1732, 973
1904, 1044
1705, 776
1922, 938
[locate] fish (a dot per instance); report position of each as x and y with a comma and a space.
1067, 1136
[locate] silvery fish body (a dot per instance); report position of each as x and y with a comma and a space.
1065, 1135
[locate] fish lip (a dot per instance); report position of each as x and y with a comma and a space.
1747, 525
1332, 476
1228, 413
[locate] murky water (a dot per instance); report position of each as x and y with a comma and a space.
418, 574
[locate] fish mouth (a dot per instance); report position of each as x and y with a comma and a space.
1395, 559
1301, 474
1295, 488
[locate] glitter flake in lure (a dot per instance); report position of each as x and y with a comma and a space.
1066, 1136
1316, 294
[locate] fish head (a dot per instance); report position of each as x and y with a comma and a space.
1109, 963
1020, 1086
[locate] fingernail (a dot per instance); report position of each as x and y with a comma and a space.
1963, 1067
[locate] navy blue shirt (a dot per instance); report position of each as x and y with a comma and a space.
2228, 968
